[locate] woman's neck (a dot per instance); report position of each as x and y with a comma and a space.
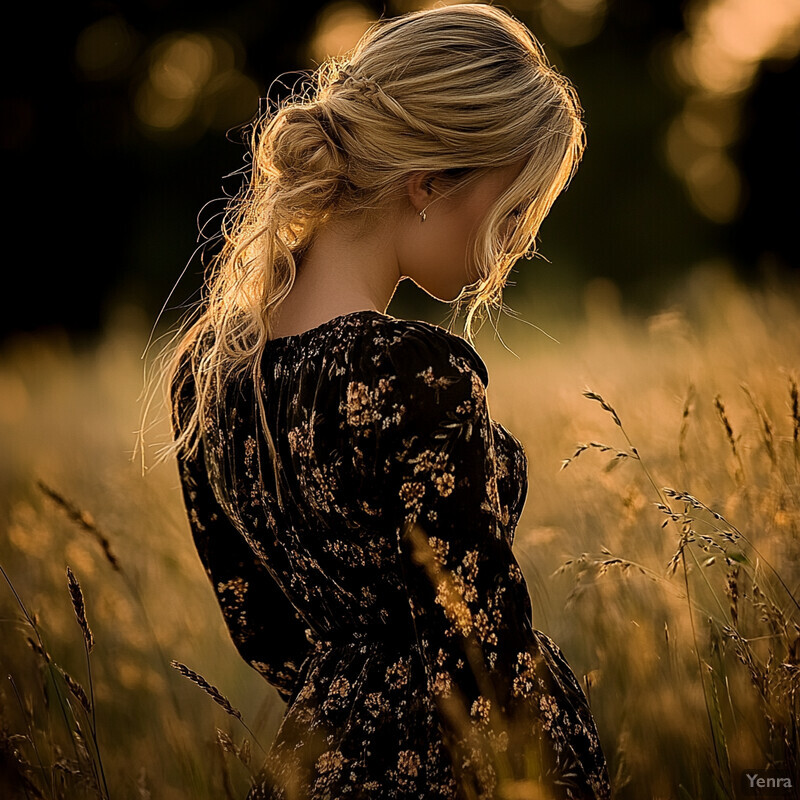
339, 273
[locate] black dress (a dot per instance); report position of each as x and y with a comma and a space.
380, 594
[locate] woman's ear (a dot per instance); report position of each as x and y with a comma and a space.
419, 189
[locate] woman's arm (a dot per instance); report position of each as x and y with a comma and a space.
263, 624
509, 706
265, 627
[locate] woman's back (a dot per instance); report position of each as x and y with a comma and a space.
377, 590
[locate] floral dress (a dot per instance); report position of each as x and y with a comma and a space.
377, 591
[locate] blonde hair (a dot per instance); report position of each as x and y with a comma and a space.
460, 90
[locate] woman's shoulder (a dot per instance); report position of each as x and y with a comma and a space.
363, 345
410, 376
409, 345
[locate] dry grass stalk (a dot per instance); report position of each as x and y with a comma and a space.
76, 689
766, 425
688, 407
723, 416
94, 773
228, 746
732, 590
718, 404
769, 612
617, 458
225, 742
16, 769
506, 747
68, 765
604, 405
26, 707
79, 605
208, 688
83, 748
83, 519
217, 696
770, 657
588, 569
37, 648
450, 596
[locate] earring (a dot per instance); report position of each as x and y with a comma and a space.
423, 216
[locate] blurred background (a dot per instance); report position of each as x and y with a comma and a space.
668, 290
120, 121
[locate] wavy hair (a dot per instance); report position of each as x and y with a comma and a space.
459, 90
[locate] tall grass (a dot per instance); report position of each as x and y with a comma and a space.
659, 541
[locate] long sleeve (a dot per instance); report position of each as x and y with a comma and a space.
263, 624
509, 706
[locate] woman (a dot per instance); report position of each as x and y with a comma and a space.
349, 495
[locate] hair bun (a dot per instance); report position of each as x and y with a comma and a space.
306, 153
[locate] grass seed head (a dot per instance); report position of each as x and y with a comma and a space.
210, 690
80, 608
77, 690
84, 520
605, 406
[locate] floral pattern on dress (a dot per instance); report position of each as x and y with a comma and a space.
380, 596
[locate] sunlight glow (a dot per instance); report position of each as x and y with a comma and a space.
573, 22
14, 399
718, 60
180, 68
715, 185
569, 23
193, 83
711, 120
106, 48
338, 28
404, 6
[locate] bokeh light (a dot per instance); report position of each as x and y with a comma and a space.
716, 61
194, 82
568, 23
404, 6
338, 28
715, 185
180, 67
573, 22
729, 38
106, 48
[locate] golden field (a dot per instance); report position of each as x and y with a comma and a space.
660, 541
